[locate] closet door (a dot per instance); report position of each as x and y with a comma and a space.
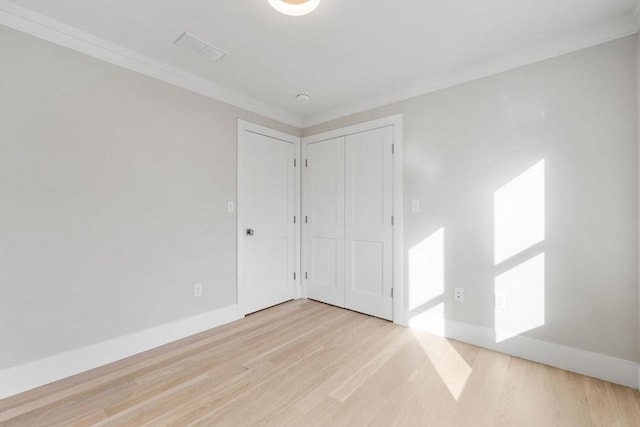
324, 200
368, 222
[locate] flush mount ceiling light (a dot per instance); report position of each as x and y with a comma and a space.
294, 7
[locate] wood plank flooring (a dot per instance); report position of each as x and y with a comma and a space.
305, 363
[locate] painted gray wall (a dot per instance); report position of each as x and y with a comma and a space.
113, 191
578, 112
113, 198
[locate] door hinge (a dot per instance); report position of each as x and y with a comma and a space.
294, 163
306, 219
306, 275
306, 163
393, 148
294, 219
294, 275
391, 292
391, 219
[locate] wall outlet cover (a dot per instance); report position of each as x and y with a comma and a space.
197, 290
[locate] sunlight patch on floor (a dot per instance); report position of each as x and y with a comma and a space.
451, 367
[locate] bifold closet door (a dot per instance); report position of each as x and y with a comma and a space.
368, 222
348, 199
324, 200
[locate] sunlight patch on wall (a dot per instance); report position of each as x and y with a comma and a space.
519, 220
426, 270
430, 320
522, 288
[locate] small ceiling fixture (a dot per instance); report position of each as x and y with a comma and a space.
294, 7
303, 98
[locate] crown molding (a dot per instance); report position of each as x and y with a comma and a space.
547, 49
35, 24
25, 20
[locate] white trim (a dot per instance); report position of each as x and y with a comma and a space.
398, 214
25, 20
638, 170
298, 213
549, 49
396, 122
303, 230
44, 371
245, 126
604, 367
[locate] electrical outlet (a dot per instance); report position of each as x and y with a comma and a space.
415, 205
500, 302
230, 206
197, 290
458, 294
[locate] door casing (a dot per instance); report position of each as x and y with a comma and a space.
300, 249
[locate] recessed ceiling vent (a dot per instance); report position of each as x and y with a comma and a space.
192, 43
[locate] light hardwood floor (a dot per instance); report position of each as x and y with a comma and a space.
305, 363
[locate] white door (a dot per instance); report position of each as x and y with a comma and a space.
266, 211
368, 222
324, 198
348, 203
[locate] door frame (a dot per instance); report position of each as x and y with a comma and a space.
246, 126
397, 262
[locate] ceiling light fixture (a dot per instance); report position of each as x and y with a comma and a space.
303, 98
294, 7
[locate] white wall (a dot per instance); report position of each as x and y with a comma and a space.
113, 190
113, 197
578, 113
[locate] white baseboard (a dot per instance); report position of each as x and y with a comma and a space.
43, 371
608, 368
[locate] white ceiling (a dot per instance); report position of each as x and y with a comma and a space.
349, 55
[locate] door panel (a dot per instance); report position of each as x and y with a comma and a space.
268, 185
366, 173
324, 256
368, 259
269, 256
324, 199
368, 228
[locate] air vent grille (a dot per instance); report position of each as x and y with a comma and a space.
191, 43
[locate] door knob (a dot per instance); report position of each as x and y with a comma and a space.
249, 232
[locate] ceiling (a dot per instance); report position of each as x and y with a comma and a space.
349, 55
